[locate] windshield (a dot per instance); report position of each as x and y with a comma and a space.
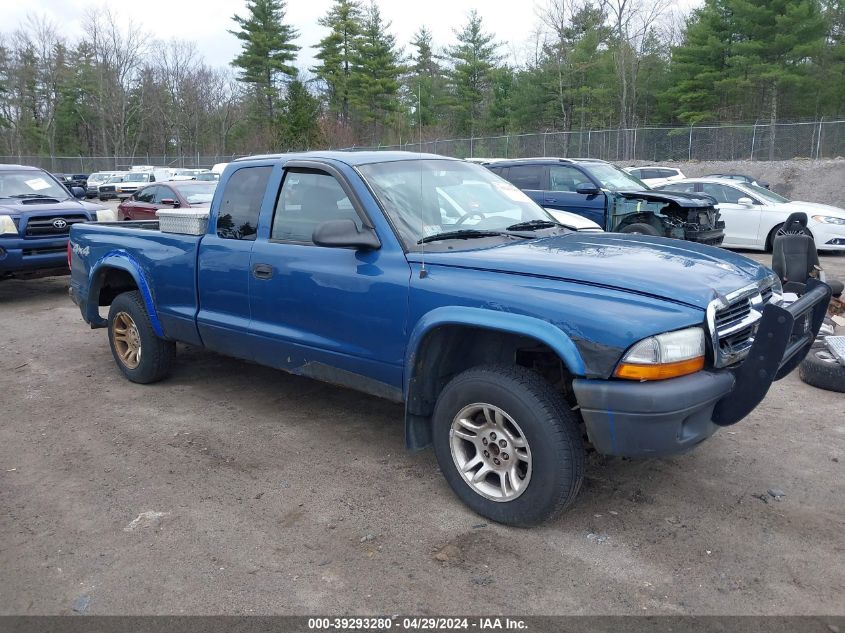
97, 178
424, 198
615, 179
30, 184
766, 194
199, 193
115, 178
136, 177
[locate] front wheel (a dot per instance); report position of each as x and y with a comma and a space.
140, 354
640, 228
508, 444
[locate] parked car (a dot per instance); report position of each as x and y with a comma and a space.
740, 178
143, 204
754, 215
73, 180
574, 221
654, 175
125, 185
108, 189
185, 174
96, 179
36, 213
430, 281
612, 198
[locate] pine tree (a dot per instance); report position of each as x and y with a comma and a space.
335, 52
473, 59
267, 50
300, 118
426, 83
374, 77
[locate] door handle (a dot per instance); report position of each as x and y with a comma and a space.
262, 271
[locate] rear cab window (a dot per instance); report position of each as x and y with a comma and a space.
237, 218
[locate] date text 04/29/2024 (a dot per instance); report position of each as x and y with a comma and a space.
417, 623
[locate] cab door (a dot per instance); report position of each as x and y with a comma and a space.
561, 194
223, 261
336, 314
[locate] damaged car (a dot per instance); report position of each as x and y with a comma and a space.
613, 198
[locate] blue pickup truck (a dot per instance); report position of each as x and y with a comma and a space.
613, 198
36, 213
513, 342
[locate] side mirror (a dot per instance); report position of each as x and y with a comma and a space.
765, 185
78, 192
746, 202
170, 201
587, 189
344, 234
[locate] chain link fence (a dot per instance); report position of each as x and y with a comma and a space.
783, 141
90, 164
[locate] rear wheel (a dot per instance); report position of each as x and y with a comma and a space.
640, 228
508, 444
140, 354
779, 230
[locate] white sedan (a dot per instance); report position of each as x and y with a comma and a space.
754, 215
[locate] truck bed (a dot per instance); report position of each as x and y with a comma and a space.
167, 260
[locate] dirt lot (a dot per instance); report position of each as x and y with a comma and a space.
283, 495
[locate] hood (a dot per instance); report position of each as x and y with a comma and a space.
675, 270
682, 199
811, 208
17, 206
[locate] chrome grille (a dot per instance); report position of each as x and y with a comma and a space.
733, 322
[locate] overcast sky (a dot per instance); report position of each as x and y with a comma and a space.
206, 21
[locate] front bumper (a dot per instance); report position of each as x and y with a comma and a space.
653, 419
18, 255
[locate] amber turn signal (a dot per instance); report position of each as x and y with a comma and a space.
634, 371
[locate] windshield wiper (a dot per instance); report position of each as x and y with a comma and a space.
464, 234
30, 195
532, 225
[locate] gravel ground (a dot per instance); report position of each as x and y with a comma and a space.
231, 488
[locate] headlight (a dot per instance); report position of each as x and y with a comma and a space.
7, 225
828, 219
664, 356
106, 215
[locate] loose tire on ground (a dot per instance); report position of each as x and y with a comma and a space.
821, 369
640, 228
140, 354
521, 420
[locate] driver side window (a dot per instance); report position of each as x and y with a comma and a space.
564, 178
308, 198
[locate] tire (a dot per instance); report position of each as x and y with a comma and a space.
770, 240
821, 369
640, 228
129, 327
526, 410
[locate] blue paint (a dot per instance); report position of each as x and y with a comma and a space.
588, 297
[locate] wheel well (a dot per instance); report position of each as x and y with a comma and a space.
449, 350
111, 283
640, 218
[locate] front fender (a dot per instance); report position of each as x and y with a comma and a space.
508, 322
119, 260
